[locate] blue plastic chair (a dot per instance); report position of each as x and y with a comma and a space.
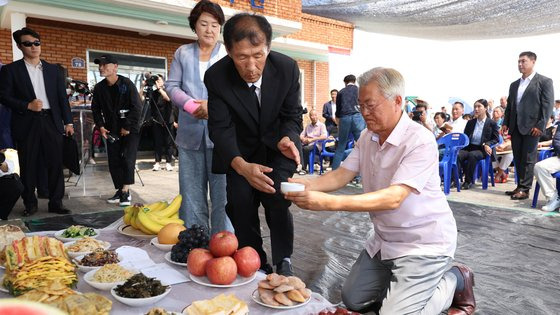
545, 154
323, 153
452, 143
485, 166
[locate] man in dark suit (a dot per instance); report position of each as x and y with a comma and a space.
35, 91
529, 105
254, 121
329, 108
483, 134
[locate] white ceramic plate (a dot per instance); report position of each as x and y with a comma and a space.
237, 282
105, 286
84, 269
163, 247
58, 236
256, 297
128, 230
106, 245
140, 301
168, 258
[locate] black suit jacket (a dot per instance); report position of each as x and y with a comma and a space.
490, 132
328, 114
16, 91
235, 125
535, 106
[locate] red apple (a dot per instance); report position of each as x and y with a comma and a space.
221, 270
196, 261
247, 260
223, 243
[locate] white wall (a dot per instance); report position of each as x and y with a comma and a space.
437, 70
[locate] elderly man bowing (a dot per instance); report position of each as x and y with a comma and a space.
407, 265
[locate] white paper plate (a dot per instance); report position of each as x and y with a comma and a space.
84, 269
256, 297
163, 247
140, 301
58, 236
106, 245
168, 258
239, 281
129, 230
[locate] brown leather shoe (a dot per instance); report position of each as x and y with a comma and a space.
521, 195
512, 192
463, 301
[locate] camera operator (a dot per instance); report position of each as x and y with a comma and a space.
11, 186
116, 108
162, 120
420, 115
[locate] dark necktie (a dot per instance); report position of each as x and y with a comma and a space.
256, 98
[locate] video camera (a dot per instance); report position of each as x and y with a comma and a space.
416, 115
80, 87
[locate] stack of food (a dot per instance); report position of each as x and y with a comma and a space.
99, 258
8, 234
278, 290
60, 296
39, 273
86, 244
31, 248
111, 273
221, 304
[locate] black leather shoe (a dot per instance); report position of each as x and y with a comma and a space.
521, 195
284, 268
512, 192
266, 268
466, 186
30, 211
60, 211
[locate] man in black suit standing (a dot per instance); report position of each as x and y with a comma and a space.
35, 91
529, 106
254, 120
329, 108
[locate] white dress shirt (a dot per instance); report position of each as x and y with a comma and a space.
38, 82
257, 89
523, 83
458, 125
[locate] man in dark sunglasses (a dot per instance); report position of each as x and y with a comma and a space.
35, 91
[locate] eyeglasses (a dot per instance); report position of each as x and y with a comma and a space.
29, 44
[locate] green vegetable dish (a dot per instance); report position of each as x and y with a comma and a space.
76, 231
140, 286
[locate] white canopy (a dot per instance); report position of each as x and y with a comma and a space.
444, 19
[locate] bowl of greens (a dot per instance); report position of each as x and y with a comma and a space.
76, 232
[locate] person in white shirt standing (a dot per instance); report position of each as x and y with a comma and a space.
35, 90
407, 265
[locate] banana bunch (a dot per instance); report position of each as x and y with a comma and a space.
153, 217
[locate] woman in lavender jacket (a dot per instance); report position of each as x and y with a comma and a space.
187, 91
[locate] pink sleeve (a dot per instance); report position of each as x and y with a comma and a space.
190, 106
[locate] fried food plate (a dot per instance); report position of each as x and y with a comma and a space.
255, 296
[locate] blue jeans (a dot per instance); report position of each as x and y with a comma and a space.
195, 177
347, 124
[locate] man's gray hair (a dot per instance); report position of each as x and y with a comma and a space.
390, 81
499, 108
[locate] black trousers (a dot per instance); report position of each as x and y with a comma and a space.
242, 208
471, 154
525, 155
10, 191
304, 154
43, 141
162, 142
121, 156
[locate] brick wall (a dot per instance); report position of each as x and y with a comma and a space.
5, 46
63, 41
285, 9
321, 88
325, 31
